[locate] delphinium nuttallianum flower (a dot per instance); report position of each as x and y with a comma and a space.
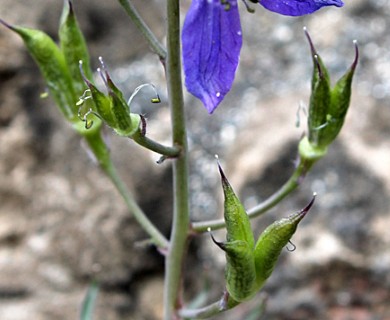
212, 40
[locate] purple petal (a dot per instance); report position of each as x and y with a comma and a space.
211, 42
298, 7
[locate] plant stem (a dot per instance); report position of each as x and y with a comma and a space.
180, 224
292, 183
101, 153
141, 139
132, 12
224, 304
157, 238
202, 313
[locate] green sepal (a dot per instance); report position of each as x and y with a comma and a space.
102, 104
111, 108
74, 47
135, 120
123, 122
271, 242
52, 65
112, 87
121, 112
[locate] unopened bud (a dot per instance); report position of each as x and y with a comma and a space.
328, 106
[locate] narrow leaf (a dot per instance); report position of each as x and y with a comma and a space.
89, 302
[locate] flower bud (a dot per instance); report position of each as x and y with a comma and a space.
240, 271
328, 106
53, 67
74, 47
59, 67
271, 242
341, 96
248, 265
237, 222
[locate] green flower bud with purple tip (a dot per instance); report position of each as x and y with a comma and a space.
53, 67
240, 267
59, 67
59, 64
249, 265
328, 106
271, 242
340, 100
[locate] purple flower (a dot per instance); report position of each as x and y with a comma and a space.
298, 7
212, 40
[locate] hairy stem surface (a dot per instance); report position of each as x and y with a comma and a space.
180, 225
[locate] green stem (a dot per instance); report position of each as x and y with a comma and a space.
292, 183
141, 139
132, 12
202, 313
224, 304
180, 224
102, 155
157, 238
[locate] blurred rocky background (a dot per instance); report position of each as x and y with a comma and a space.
62, 224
